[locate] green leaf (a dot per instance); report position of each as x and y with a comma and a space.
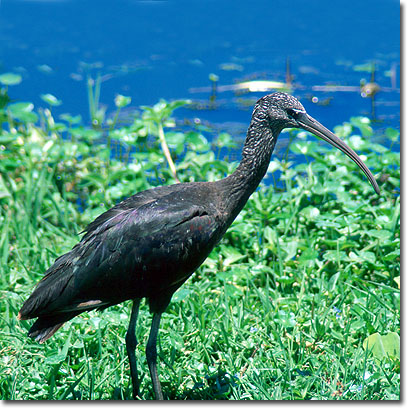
51, 100
71, 119
178, 103
225, 140
380, 234
175, 140
366, 67
303, 147
4, 100
197, 142
231, 255
95, 178
122, 101
391, 344
19, 107
115, 192
232, 290
270, 235
343, 131
86, 133
55, 358
10, 79
363, 123
4, 192
392, 134
44, 68
392, 255
374, 344
335, 256
310, 212
362, 256
333, 281
202, 159
379, 148
61, 355
290, 247
308, 257
23, 112
286, 318
6, 138
181, 294
383, 346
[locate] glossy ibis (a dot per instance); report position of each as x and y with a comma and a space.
148, 245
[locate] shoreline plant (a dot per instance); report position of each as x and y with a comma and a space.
299, 301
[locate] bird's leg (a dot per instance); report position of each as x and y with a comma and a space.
131, 343
151, 353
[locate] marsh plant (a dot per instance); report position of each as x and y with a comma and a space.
300, 300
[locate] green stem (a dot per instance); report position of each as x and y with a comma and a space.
97, 89
114, 121
90, 94
166, 152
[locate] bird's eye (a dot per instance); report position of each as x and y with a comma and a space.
293, 113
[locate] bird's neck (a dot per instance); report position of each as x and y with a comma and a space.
256, 154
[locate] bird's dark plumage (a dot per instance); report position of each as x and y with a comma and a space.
149, 244
146, 246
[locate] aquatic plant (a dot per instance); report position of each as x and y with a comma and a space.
310, 267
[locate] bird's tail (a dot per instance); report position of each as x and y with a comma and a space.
45, 326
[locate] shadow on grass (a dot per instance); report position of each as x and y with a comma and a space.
217, 386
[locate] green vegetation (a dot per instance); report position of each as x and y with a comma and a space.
299, 301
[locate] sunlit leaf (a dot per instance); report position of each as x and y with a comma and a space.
335, 256
51, 99
10, 79
381, 234
333, 281
122, 101
383, 346
23, 111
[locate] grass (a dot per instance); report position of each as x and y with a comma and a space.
281, 309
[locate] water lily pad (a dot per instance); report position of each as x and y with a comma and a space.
23, 111
10, 79
392, 133
51, 100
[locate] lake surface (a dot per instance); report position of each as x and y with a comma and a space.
167, 49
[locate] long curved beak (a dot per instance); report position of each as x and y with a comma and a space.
308, 123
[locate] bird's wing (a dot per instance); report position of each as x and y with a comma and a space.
135, 202
134, 244
120, 248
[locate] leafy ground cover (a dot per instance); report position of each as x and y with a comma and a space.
299, 301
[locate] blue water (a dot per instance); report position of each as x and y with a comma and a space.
165, 49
